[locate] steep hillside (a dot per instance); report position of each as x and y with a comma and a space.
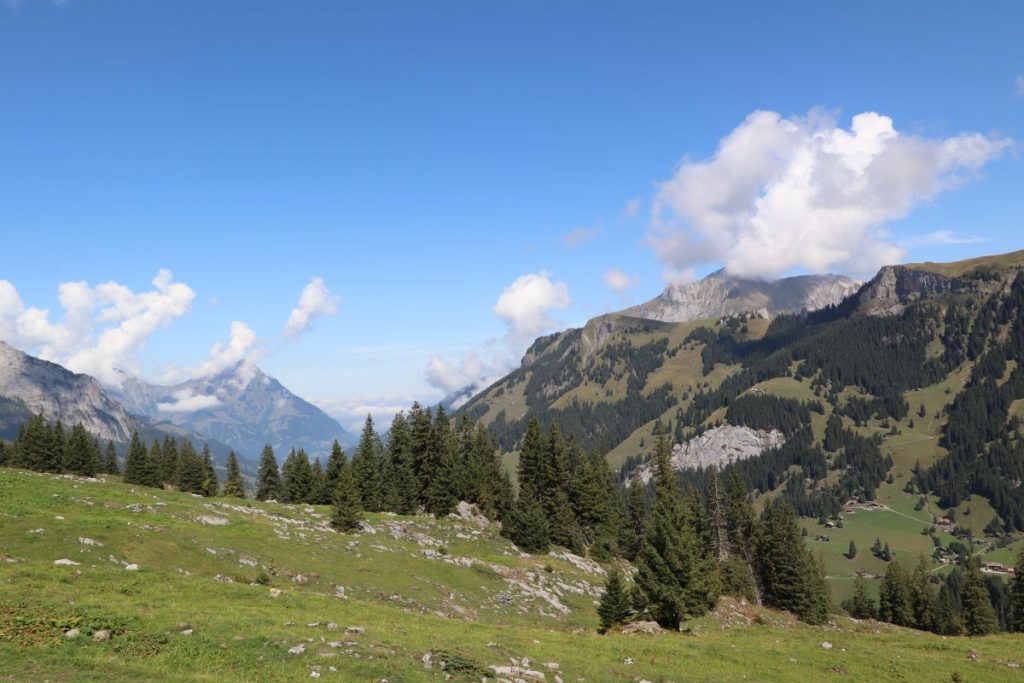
100, 581
242, 407
908, 393
40, 386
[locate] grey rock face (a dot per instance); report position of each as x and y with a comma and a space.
719, 295
59, 393
894, 287
719, 447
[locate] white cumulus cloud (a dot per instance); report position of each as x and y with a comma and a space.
526, 303
185, 401
314, 301
617, 280
103, 328
782, 194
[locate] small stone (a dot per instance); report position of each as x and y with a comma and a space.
187, 632
314, 674
355, 630
64, 562
72, 633
627, 660
313, 624
88, 541
297, 650
332, 626
826, 645
276, 592
131, 567
101, 635
427, 660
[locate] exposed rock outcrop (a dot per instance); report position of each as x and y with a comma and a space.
719, 295
719, 447
894, 287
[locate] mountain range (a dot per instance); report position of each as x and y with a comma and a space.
240, 409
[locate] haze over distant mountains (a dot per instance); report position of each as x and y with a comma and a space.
241, 406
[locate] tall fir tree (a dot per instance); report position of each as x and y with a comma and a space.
210, 483
440, 475
167, 461
895, 602
527, 526
110, 460
296, 477
860, 605
979, 618
790, 577
554, 481
922, 596
190, 472
366, 467
348, 509
234, 485
335, 463
137, 468
268, 478
58, 446
636, 517
318, 493
33, 446
676, 578
79, 453
615, 606
1015, 621
401, 485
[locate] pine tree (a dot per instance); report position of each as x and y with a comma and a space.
136, 466
922, 597
791, 578
676, 578
531, 454
852, 552
741, 527
33, 447
348, 510
1015, 622
234, 485
402, 473
296, 477
528, 526
440, 473
110, 460
58, 447
190, 472
554, 478
6, 454
615, 606
166, 458
894, 598
636, 517
318, 492
268, 478
947, 621
79, 456
976, 607
366, 467
860, 606
335, 463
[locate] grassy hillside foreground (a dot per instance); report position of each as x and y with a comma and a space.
214, 589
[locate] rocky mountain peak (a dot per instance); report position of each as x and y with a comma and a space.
720, 294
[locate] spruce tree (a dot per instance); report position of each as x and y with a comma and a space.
894, 597
531, 454
401, 471
366, 467
636, 517
33, 446
210, 483
335, 463
268, 478
318, 492
166, 458
136, 466
348, 509
296, 477
922, 597
676, 578
6, 453
554, 482
791, 578
110, 460
58, 446
440, 475
1015, 618
860, 606
851, 553
615, 606
947, 620
976, 607
190, 473
234, 485
528, 526
78, 452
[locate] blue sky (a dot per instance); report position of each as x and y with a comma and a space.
422, 157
